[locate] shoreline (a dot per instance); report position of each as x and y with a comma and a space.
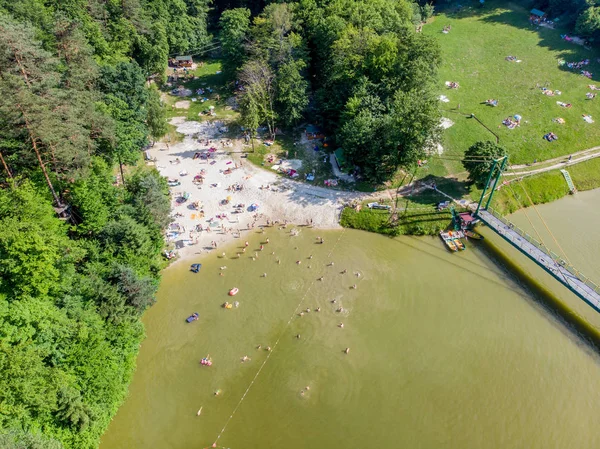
228, 180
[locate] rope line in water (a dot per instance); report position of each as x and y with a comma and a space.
273, 349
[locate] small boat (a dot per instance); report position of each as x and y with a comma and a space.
234, 291
451, 245
206, 361
473, 235
193, 317
195, 267
459, 244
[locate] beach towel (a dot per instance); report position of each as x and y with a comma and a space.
444, 99
588, 118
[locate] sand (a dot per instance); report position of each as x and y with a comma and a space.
278, 199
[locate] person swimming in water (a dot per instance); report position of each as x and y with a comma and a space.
268, 240
345, 271
221, 274
264, 275
262, 247
278, 261
298, 262
246, 244
341, 325
347, 351
355, 286
310, 257
318, 309
321, 278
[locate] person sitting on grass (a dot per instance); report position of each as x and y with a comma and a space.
551, 137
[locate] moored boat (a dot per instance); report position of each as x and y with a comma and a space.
459, 244
448, 241
473, 235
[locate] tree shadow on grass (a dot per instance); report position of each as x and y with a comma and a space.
549, 38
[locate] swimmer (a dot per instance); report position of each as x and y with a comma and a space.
318, 309
298, 336
341, 325
264, 275
255, 254
244, 250
333, 301
273, 253
262, 247
331, 264
301, 314
310, 257
268, 348
301, 392
221, 274
245, 358
298, 262
340, 310
307, 388
357, 274
345, 271
354, 286
309, 266
254, 258
268, 240
259, 346
278, 261
218, 392
321, 278
347, 351
223, 254
246, 244
223, 268
307, 310
296, 247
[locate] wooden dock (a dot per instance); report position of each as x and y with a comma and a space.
549, 261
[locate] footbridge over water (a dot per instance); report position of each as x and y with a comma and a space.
534, 249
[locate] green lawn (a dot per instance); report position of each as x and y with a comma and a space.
474, 56
206, 76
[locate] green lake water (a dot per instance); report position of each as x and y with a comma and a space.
446, 351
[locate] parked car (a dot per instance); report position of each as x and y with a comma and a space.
379, 206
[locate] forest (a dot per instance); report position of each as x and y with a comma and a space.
83, 221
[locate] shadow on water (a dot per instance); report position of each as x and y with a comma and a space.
573, 323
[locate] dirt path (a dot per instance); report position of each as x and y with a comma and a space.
553, 164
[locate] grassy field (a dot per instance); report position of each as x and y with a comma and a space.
206, 76
474, 56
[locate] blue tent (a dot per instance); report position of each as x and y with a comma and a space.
537, 12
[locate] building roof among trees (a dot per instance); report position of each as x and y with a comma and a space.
183, 58
537, 12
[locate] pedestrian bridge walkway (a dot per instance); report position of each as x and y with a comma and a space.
545, 258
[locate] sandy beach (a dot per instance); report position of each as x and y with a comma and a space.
229, 180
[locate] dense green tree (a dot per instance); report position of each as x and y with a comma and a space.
292, 92
588, 22
234, 24
479, 160
157, 116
